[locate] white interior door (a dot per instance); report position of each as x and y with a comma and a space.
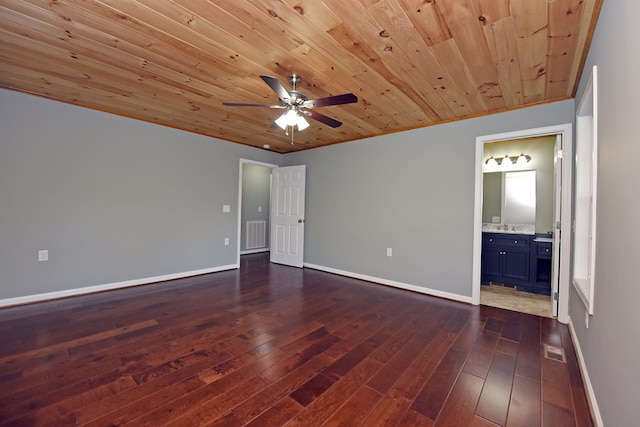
287, 215
557, 206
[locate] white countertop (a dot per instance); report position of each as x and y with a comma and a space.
510, 228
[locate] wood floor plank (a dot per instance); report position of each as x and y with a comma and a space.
496, 393
481, 354
511, 329
277, 415
556, 416
508, 347
269, 345
530, 349
459, 408
481, 422
312, 389
412, 380
149, 386
387, 411
282, 387
433, 395
333, 399
555, 383
525, 408
414, 419
355, 409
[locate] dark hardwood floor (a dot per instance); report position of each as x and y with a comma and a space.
270, 345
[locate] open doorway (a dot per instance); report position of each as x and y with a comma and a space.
523, 266
517, 224
254, 193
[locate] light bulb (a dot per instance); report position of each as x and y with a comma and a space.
282, 121
291, 118
302, 123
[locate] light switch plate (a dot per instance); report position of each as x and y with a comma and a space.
226, 241
226, 208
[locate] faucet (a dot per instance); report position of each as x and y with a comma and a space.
506, 227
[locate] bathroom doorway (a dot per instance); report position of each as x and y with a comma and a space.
520, 151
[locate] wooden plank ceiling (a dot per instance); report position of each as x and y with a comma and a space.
412, 63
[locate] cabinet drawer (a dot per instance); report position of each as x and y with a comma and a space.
506, 241
544, 249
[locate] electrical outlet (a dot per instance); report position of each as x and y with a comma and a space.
226, 241
43, 255
259, 208
389, 252
226, 208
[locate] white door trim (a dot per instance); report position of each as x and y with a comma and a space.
566, 130
239, 234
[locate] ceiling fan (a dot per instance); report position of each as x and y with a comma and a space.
298, 105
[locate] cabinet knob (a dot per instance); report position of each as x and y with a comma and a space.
516, 241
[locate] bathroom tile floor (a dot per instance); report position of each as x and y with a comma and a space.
511, 299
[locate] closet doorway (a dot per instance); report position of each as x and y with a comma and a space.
254, 213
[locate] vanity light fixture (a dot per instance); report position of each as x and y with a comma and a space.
523, 158
493, 161
518, 159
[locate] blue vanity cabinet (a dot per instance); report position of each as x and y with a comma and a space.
506, 259
541, 282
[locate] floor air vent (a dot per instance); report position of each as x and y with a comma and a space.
554, 353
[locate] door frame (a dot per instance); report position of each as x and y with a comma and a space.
239, 234
566, 130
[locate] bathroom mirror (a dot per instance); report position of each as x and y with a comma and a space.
509, 197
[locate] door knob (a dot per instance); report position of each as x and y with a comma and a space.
300, 221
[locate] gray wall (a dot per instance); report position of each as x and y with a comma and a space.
410, 191
492, 196
112, 199
611, 345
256, 185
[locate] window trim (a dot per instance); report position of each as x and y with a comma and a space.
586, 167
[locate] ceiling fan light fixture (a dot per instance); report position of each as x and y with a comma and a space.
281, 122
292, 118
297, 105
302, 123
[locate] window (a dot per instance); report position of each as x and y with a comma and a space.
584, 246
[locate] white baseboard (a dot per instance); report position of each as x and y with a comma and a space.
109, 286
591, 397
254, 251
392, 283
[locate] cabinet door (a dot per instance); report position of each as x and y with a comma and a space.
491, 265
516, 265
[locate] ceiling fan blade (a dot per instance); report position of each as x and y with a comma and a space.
345, 98
241, 104
276, 86
323, 119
